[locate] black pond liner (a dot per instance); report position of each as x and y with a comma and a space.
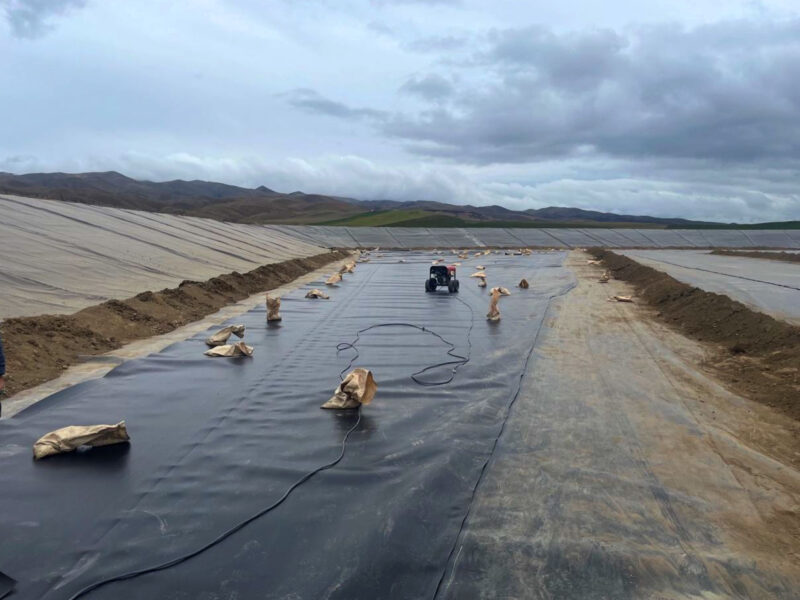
214, 441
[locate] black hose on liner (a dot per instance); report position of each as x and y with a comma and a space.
229, 532
458, 362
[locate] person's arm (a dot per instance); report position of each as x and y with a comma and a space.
2, 367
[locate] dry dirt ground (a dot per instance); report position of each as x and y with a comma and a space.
40, 348
643, 476
784, 256
757, 355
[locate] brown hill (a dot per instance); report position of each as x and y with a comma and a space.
196, 198
262, 205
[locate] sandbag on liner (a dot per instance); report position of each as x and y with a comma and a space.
334, 279
70, 438
273, 309
223, 334
524, 284
315, 293
357, 388
494, 312
231, 350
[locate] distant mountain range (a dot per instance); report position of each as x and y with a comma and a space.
263, 205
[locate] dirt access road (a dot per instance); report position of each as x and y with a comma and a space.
626, 472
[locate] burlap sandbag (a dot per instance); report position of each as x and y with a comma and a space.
524, 284
223, 334
622, 298
480, 267
501, 290
231, 350
315, 293
334, 279
273, 309
482, 282
70, 438
604, 277
494, 312
479, 274
357, 388
347, 268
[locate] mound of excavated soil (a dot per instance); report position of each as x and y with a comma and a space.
755, 355
40, 348
784, 256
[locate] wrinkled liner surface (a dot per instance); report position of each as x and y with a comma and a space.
217, 440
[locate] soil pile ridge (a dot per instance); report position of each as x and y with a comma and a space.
40, 348
755, 355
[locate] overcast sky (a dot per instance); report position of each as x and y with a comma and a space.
684, 108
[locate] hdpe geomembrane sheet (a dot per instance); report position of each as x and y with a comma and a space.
215, 440
418, 237
769, 286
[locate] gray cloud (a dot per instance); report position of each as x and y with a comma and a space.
728, 91
438, 43
30, 18
313, 102
423, 2
429, 87
467, 103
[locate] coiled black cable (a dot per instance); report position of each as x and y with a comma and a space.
458, 362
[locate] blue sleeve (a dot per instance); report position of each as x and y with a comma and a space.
2, 359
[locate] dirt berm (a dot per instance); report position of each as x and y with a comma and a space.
783, 256
40, 348
751, 353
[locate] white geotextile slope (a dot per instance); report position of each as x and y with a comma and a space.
59, 257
